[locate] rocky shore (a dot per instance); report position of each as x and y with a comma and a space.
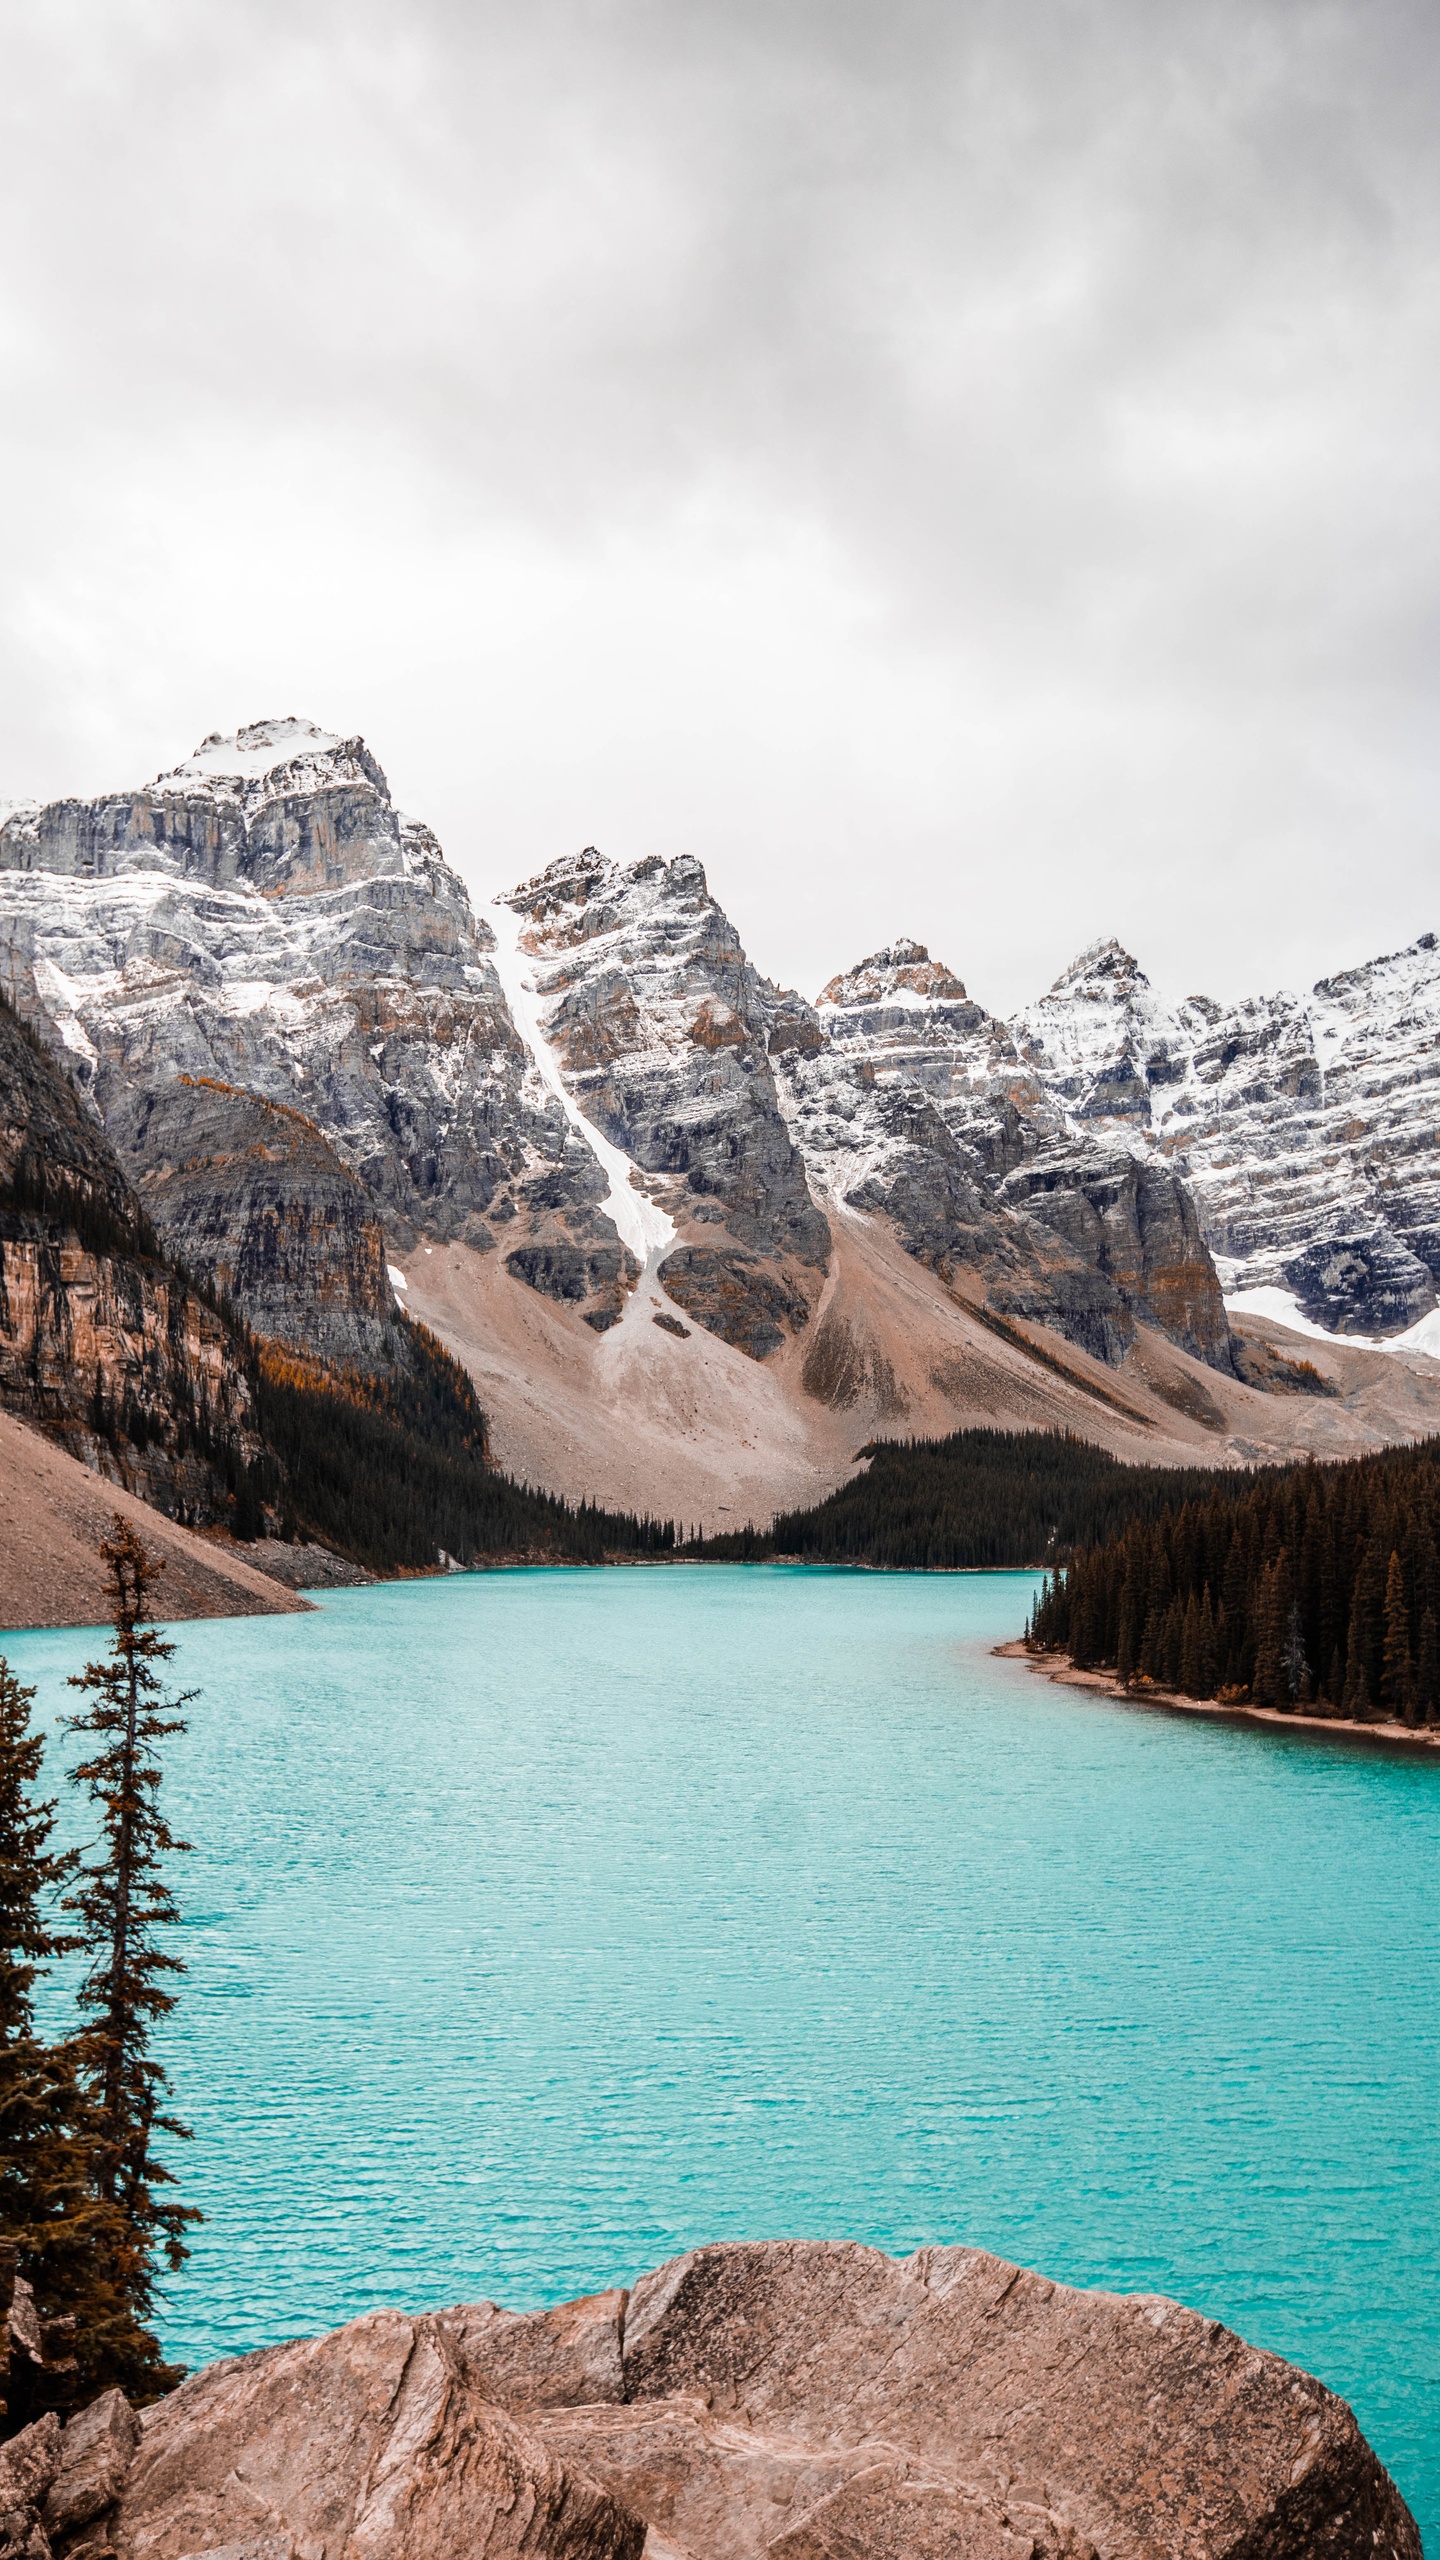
803, 2400
1058, 1666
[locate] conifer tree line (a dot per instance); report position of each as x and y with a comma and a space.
973, 1500
1315, 1587
86, 2203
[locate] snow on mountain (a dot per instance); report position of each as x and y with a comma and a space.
270, 922
1308, 1126
662, 1031
645, 1229
265, 748
913, 1102
612, 1082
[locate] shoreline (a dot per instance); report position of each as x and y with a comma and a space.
1059, 1668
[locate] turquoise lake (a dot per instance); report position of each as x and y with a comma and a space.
542, 1924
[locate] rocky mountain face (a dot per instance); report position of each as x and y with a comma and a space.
806, 2400
662, 1031
911, 1100
310, 1049
102, 1341
1306, 1127
264, 918
248, 1195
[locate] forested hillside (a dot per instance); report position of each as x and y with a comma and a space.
391, 1468
1309, 1586
150, 1376
977, 1498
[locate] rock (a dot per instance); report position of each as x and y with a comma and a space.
1369, 1284
916, 1104
377, 2443
265, 917
1085, 2421
1135, 1225
1306, 1126
250, 1196
571, 1273
23, 2323
532, 2360
28, 2464
97, 2448
664, 1032
102, 1341
745, 1301
806, 2401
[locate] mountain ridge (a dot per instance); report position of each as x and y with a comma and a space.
261, 922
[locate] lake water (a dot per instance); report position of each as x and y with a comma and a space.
542, 1924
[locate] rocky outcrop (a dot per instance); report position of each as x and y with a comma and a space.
378, 2443
664, 1033
571, 1274
102, 1340
806, 2401
265, 918
1307, 1127
915, 1103
248, 1195
1134, 1224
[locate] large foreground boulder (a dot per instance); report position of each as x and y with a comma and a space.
799, 2400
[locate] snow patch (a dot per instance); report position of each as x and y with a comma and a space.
396, 1277
1283, 1307
254, 752
640, 1222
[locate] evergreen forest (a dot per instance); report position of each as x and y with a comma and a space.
976, 1499
1303, 1587
390, 1467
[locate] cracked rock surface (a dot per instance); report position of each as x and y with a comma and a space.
801, 2400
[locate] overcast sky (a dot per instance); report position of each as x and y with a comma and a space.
967, 470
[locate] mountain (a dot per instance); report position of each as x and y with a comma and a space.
113, 1355
103, 1342
262, 917
912, 1101
1307, 1127
693, 1236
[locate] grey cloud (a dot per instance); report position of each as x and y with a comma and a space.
1096, 343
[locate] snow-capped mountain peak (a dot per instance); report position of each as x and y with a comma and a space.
270, 760
253, 751
904, 969
1103, 973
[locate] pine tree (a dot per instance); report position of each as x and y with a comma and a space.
1268, 1684
1397, 1676
64, 2238
43, 2159
1126, 1647
1427, 1670
121, 1900
1190, 1649
1171, 1644
1209, 1649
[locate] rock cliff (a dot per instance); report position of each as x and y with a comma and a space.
249, 1196
1306, 1127
560, 1111
102, 1341
662, 1030
808, 2401
912, 1101
265, 918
